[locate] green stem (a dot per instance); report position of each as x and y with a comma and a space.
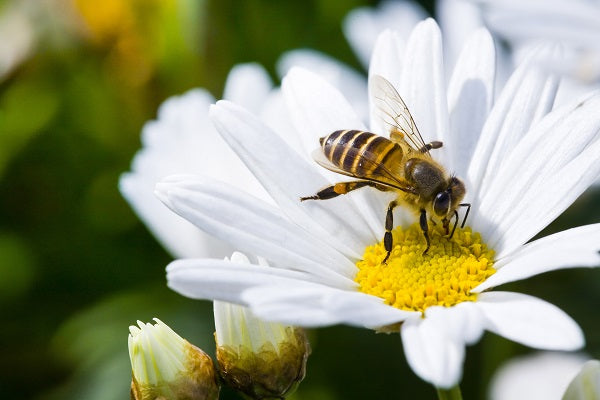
449, 394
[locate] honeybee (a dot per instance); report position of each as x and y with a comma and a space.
400, 164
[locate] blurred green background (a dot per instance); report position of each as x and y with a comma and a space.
77, 267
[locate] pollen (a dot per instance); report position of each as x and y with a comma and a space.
413, 281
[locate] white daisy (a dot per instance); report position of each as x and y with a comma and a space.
17, 21
539, 376
574, 24
523, 165
586, 384
363, 25
183, 140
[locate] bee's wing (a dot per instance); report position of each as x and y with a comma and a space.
395, 114
383, 175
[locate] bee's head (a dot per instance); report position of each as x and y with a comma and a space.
447, 201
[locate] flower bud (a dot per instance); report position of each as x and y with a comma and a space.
263, 360
166, 366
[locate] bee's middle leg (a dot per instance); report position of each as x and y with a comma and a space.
431, 145
335, 190
389, 225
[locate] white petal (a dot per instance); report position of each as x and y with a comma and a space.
180, 237
386, 61
539, 376
529, 321
462, 322
298, 304
586, 384
280, 295
274, 114
352, 84
364, 24
248, 85
240, 258
433, 355
579, 68
574, 22
296, 314
585, 78
527, 96
423, 84
287, 177
211, 279
363, 310
182, 140
577, 247
388, 53
295, 305
316, 107
539, 181
458, 19
470, 98
253, 226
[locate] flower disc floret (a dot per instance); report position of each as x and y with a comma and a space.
413, 281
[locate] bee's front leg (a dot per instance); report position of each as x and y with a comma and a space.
424, 228
446, 225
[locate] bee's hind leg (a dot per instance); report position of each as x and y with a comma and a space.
389, 225
335, 190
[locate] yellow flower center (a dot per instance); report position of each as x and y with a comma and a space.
413, 281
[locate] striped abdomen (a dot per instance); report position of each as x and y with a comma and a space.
360, 153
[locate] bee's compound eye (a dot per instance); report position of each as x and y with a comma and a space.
441, 203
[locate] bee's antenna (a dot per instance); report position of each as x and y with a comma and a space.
468, 205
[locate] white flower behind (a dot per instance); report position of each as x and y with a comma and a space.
363, 25
539, 376
351, 83
518, 158
586, 384
573, 24
458, 19
183, 140
19, 21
